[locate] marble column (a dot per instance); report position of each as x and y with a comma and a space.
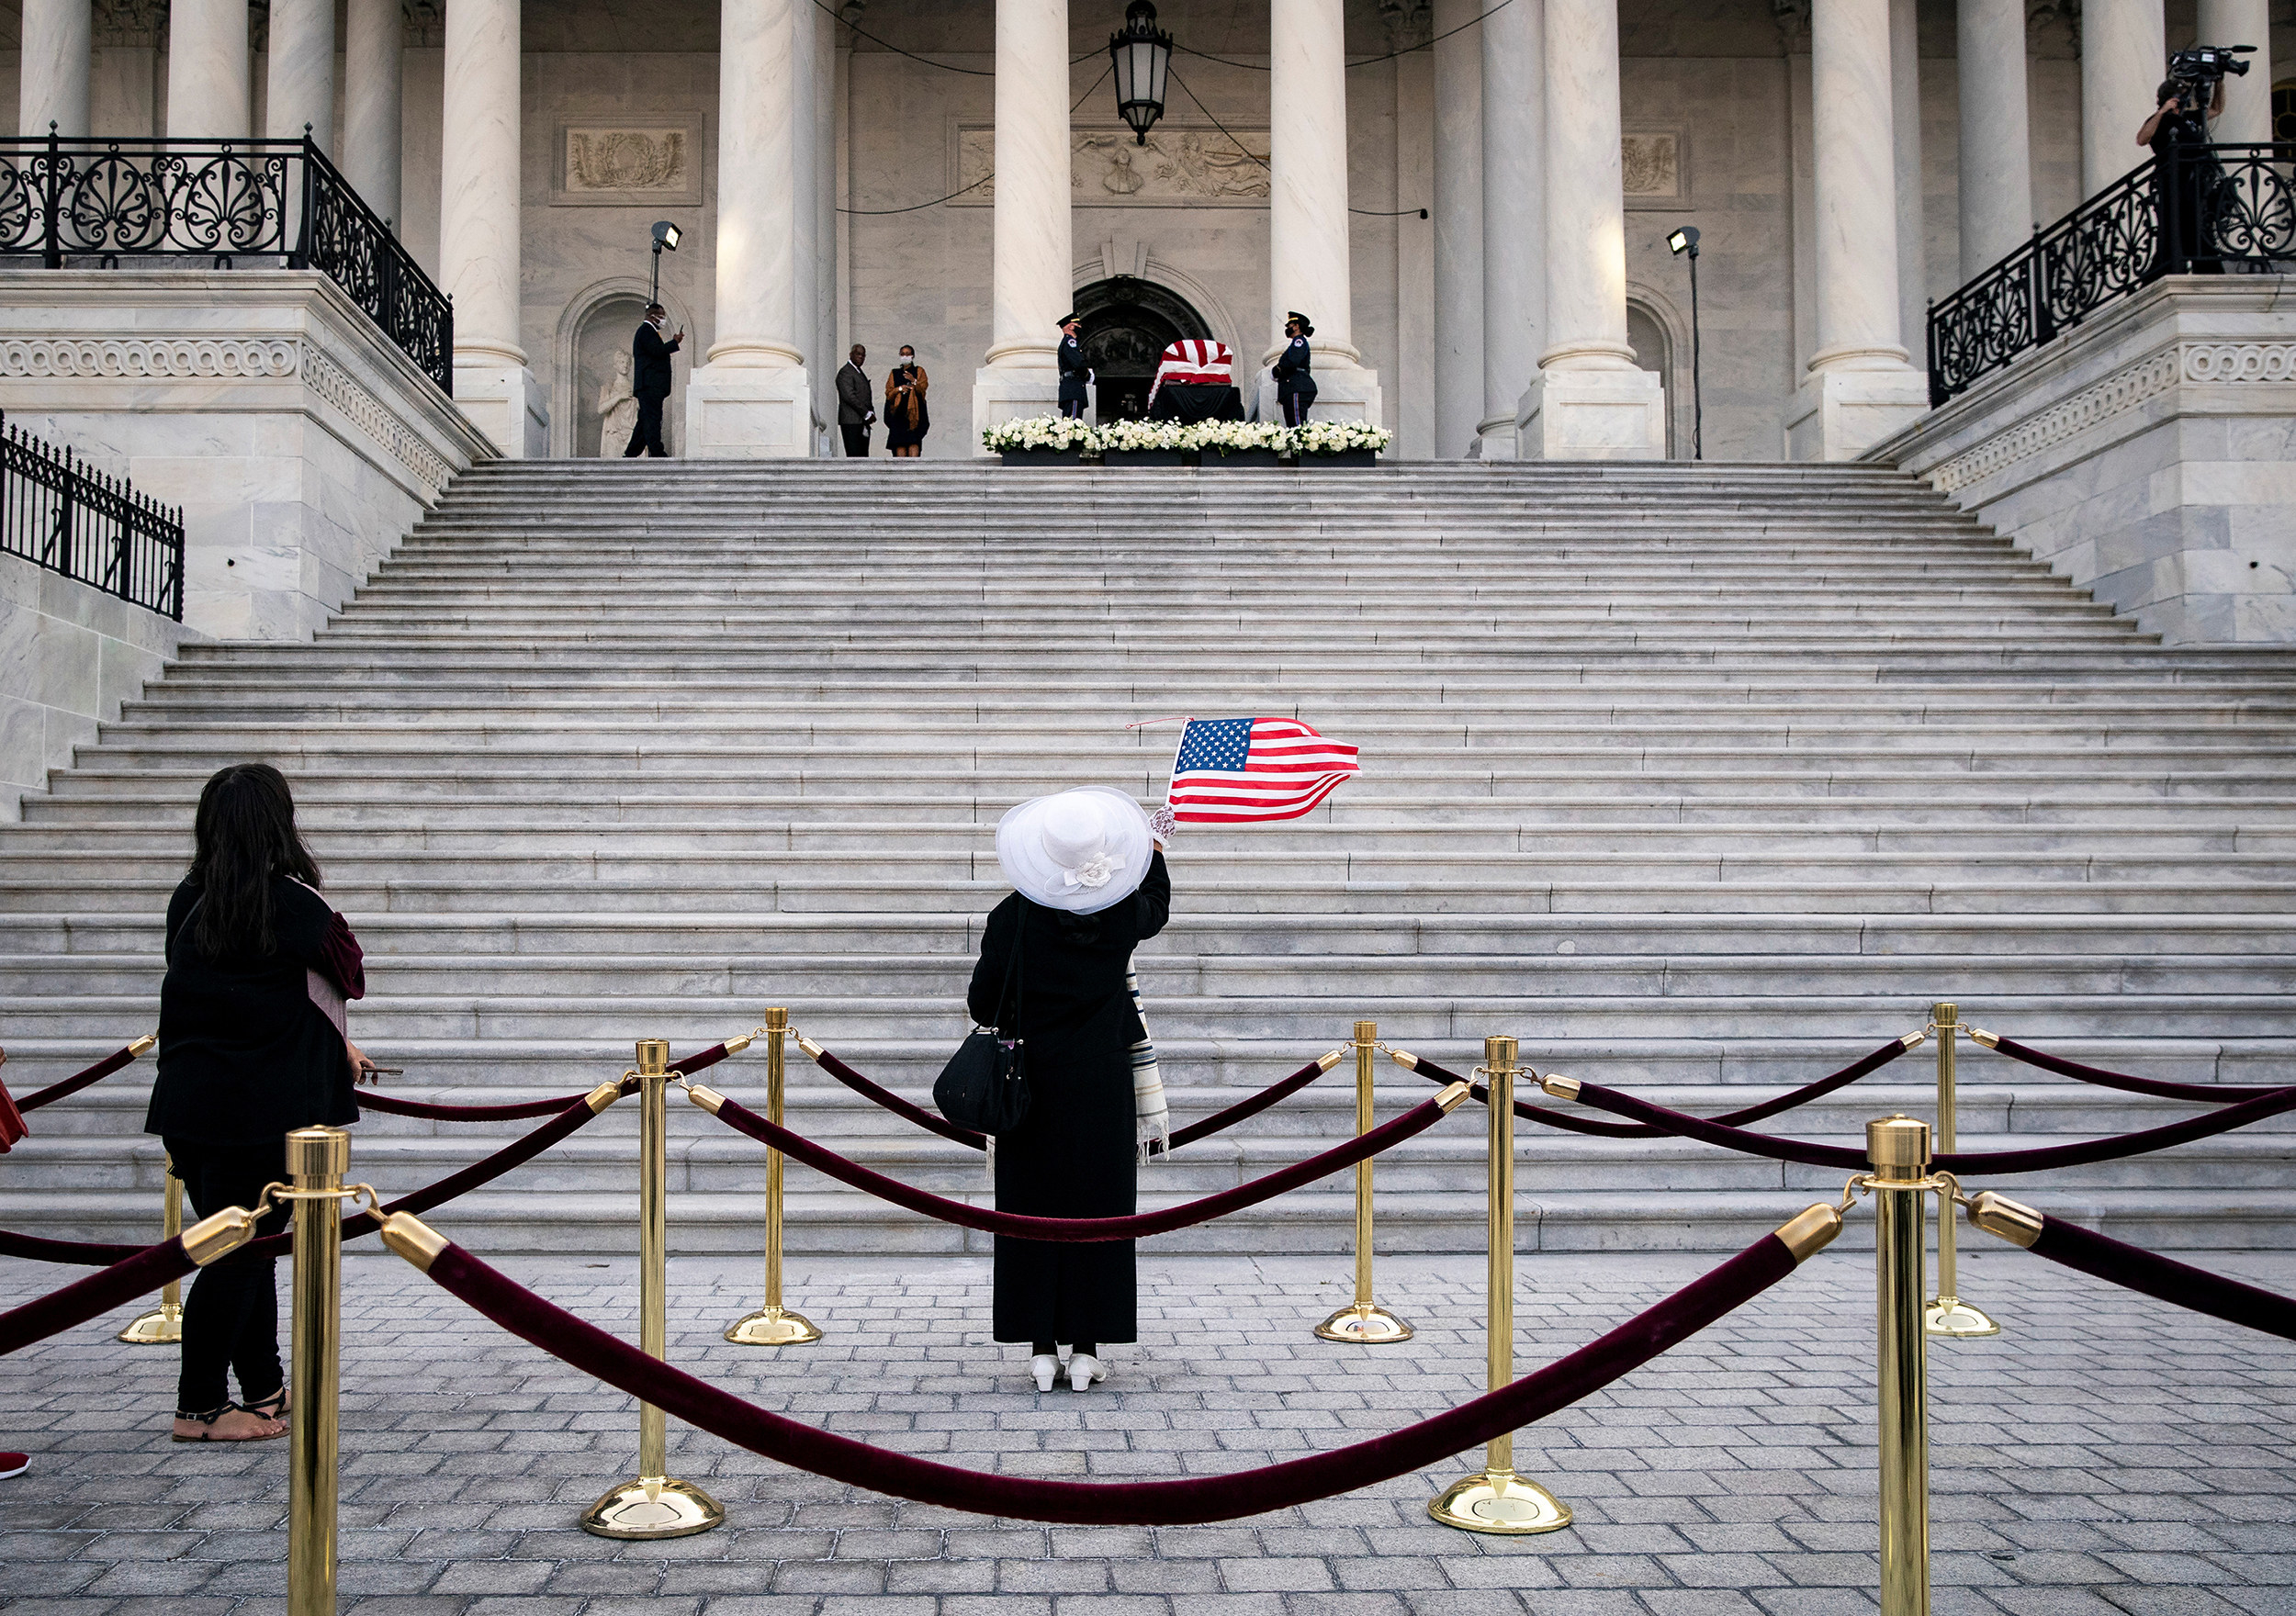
481, 227
299, 84
57, 36
826, 355
2248, 99
1307, 208
373, 63
752, 400
2124, 56
1860, 387
1513, 215
210, 76
1997, 187
1904, 121
1033, 263
1590, 400
1458, 228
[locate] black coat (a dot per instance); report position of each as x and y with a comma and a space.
650, 357
1294, 369
1074, 373
1075, 1156
245, 1055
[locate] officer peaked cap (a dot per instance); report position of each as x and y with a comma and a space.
1302, 321
1068, 320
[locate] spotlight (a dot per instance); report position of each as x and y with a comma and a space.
666, 235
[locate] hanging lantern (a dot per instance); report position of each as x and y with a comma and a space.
1142, 54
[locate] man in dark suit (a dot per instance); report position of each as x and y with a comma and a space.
649, 379
856, 404
1075, 375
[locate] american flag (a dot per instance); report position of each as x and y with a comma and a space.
1243, 770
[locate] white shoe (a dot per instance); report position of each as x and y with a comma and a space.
1046, 1368
1083, 1370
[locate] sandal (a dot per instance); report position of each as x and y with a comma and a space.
273, 1407
206, 1421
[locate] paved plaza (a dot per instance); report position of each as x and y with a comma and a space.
2107, 1457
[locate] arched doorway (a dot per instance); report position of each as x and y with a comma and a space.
1654, 350
1128, 324
602, 349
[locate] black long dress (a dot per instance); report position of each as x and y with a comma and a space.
1075, 1156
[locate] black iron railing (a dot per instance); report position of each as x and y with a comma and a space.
225, 203
2199, 208
70, 519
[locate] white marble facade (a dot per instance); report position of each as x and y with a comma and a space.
536, 143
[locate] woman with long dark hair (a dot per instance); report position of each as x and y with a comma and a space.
252, 1046
1056, 957
907, 419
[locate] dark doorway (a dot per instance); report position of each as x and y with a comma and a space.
1128, 324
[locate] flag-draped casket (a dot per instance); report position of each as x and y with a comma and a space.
1194, 362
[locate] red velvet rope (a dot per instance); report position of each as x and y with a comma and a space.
1250, 1106
2133, 1268
1140, 1225
149, 1268
2037, 1159
1135, 1503
375, 1100
71, 1085
1818, 1089
2207, 1093
34, 1248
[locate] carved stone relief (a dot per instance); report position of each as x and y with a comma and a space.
623, 161
1177, 168
130, 22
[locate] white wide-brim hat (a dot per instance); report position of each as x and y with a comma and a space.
1083, 850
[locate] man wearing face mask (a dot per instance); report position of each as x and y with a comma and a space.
649, 380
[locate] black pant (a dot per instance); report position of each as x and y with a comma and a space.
1295, 406
856, 442
646, 437
1074, 408
231, 1314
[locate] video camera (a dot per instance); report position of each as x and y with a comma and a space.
2196, 73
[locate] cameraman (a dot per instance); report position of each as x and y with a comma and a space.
2177, 133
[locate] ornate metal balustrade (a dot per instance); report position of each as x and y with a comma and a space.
2203, 208
226, 204
56, 511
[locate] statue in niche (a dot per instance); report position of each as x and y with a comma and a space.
617, 409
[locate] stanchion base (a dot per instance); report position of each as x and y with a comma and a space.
162, 1327
1367, 1324
1500, 1502
1950, 1316
772, 1327
653, 1506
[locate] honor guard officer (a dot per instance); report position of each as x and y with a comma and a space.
1074, 373
1295, 385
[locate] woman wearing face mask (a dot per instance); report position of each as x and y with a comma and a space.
907, 419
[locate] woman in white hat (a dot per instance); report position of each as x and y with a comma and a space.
1090, 886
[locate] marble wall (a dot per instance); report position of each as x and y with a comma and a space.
68, 655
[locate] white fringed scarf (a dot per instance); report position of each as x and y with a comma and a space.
1152, 1116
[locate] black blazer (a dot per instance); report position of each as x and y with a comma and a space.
1074, 372
1072, 966
1293, 368
245, 1055
650, 373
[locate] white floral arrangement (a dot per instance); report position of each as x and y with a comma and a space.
1230, 437
1143, 434
1040, 431
1337, 437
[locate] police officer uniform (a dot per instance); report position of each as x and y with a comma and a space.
1074, 373
1295, 383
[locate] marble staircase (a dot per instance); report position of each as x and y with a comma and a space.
1699, 779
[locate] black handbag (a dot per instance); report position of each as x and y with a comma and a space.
985, 1084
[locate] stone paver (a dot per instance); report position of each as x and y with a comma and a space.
2107, 1456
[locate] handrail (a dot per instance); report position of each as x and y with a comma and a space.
2228, 202
59, 512
275, 201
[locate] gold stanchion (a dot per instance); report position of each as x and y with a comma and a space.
317, 1159
1947, 1314
1898, 1147
163, 1325
1496, 1499
1363, 1321
773, 1325
656, 1504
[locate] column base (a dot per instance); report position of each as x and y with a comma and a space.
1613, 413
507, 403
1342, 392
748, 412
1013, 392
1838, 413
1494, 440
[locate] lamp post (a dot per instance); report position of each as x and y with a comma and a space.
1142, 56
666, 236
1685, 240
